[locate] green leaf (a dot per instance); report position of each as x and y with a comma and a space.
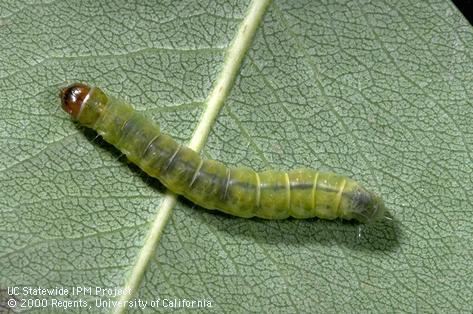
377, 90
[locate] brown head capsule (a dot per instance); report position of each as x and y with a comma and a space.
72, 98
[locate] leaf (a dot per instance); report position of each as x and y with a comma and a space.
375, 90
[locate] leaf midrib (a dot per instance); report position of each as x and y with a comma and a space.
215, 100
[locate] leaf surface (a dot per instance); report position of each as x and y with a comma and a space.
377, 90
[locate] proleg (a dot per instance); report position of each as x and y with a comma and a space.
243, 192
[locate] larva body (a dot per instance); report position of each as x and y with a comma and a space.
239, 191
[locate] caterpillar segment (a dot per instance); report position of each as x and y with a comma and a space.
301, 193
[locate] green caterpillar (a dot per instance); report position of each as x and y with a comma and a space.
242, 192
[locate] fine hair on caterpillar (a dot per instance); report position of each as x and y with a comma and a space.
239, 191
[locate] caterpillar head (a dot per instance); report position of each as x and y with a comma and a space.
365, 206
83, 103
72, 98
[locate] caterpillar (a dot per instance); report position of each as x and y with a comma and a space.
240, 191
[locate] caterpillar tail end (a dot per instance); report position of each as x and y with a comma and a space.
388, 216
72, 98
364, 206
379, 210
